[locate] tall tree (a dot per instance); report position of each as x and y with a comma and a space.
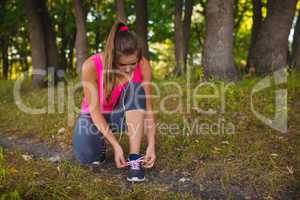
271, 45
64, 39
50, 37
4, 40
179, 44
37, 41
296, 45
66, 32
256, 21
97, 32
218, 44
141, 25
71, 43
121, 12
81, 45
5, 63
187, 27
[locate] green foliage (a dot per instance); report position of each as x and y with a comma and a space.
2, 169
242, 35
100, 15
11, 196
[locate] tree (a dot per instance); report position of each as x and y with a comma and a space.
62, 14
81, 39
50, 38
40, 25
37, 41
179, 44
141, 25
295, 62
187, 27
5, 63
121, 13
270, 49
256, 20
4, 40
182, 33
218, 43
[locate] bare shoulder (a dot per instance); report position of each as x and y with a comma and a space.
145, 64
146, 69
88, 69
144, 61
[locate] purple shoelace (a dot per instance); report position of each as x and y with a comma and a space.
135, 164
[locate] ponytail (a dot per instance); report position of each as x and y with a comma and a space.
120, 41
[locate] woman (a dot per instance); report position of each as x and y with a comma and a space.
116, 85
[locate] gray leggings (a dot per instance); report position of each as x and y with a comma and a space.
88, 143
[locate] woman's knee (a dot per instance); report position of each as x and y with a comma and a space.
136, 98
88, 143
88, 152
86, 155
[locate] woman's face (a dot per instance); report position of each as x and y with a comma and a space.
127, 63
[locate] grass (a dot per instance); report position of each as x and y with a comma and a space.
256, 160
43, 180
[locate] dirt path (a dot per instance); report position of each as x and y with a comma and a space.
176, 181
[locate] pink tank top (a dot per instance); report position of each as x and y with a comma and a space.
104, 105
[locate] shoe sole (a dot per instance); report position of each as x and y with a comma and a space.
135, 179
98, 163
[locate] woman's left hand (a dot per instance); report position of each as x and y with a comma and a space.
150, 157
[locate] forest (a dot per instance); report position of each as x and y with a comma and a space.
225, 83
243, 37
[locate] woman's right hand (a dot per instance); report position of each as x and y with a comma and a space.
119, 157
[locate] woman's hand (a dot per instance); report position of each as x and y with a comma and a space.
150, 157
119, 157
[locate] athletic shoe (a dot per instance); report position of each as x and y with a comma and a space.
136, 172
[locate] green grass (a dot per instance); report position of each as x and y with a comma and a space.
43, 180
256, 158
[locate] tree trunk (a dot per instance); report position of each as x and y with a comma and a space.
81, 39
257, 20
97, 33
50, 40
187, 27
141, 25
179, 44
97, 40
71, 42
64, 42
271, 45
5, 63
296, 45
121, 13
37, 41
218, 45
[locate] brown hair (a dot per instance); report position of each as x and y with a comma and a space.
118, 43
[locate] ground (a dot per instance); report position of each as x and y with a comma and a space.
254, 162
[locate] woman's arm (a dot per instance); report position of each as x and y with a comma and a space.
89, 82
149, 118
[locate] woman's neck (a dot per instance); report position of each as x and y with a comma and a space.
120, 79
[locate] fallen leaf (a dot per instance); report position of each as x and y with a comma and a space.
26, 157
